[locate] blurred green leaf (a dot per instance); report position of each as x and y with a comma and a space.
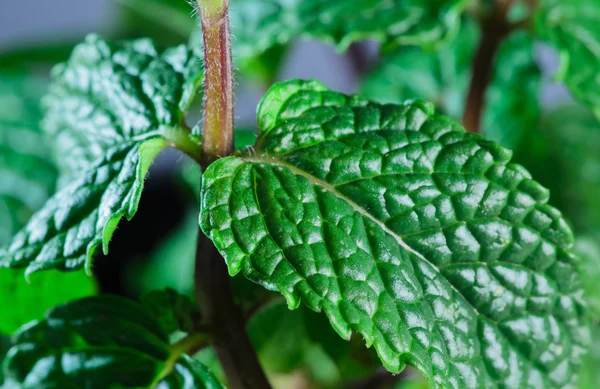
35, 58
27, 179
30, 301
264, 28
286, 341
100, 342
562, 153
443, 76
173, 311
262, 24
573, 27
588, 250
171, 263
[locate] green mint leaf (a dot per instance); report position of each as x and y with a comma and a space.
65, 233
572, 28
99, 342
443, 77
111, 109
27, 179
399, 225
111, 93
173, 311
264, 24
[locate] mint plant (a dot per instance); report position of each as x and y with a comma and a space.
403, 243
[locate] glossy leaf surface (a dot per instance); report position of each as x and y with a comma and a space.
27, 179
572, 28
110, 93
111, 109
443, 76
99, 342
65, 232
399, 225
27, 176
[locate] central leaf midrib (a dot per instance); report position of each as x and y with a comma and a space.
271, 160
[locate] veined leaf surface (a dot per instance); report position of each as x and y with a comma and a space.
100, 342
401, 226
111, 109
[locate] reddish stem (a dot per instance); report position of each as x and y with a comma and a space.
219, 83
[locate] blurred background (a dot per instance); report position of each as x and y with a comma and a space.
561, 152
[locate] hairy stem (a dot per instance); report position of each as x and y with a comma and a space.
225, 319
494, 28
219, 83
213, 291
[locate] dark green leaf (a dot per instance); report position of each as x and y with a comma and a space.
443, 76
173, 311
572, 28
111, 109
286, 341
65, 233
99, 342
110, 93
189, 374
27, 179
399, 225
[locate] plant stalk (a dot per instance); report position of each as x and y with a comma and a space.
212, 287
219, 83
225, 319
494, 28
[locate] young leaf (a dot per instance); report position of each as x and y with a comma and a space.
110, 93
443, 76
399, 225
112, 108
572, 27
100, 342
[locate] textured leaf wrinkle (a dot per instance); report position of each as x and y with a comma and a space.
401, 226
